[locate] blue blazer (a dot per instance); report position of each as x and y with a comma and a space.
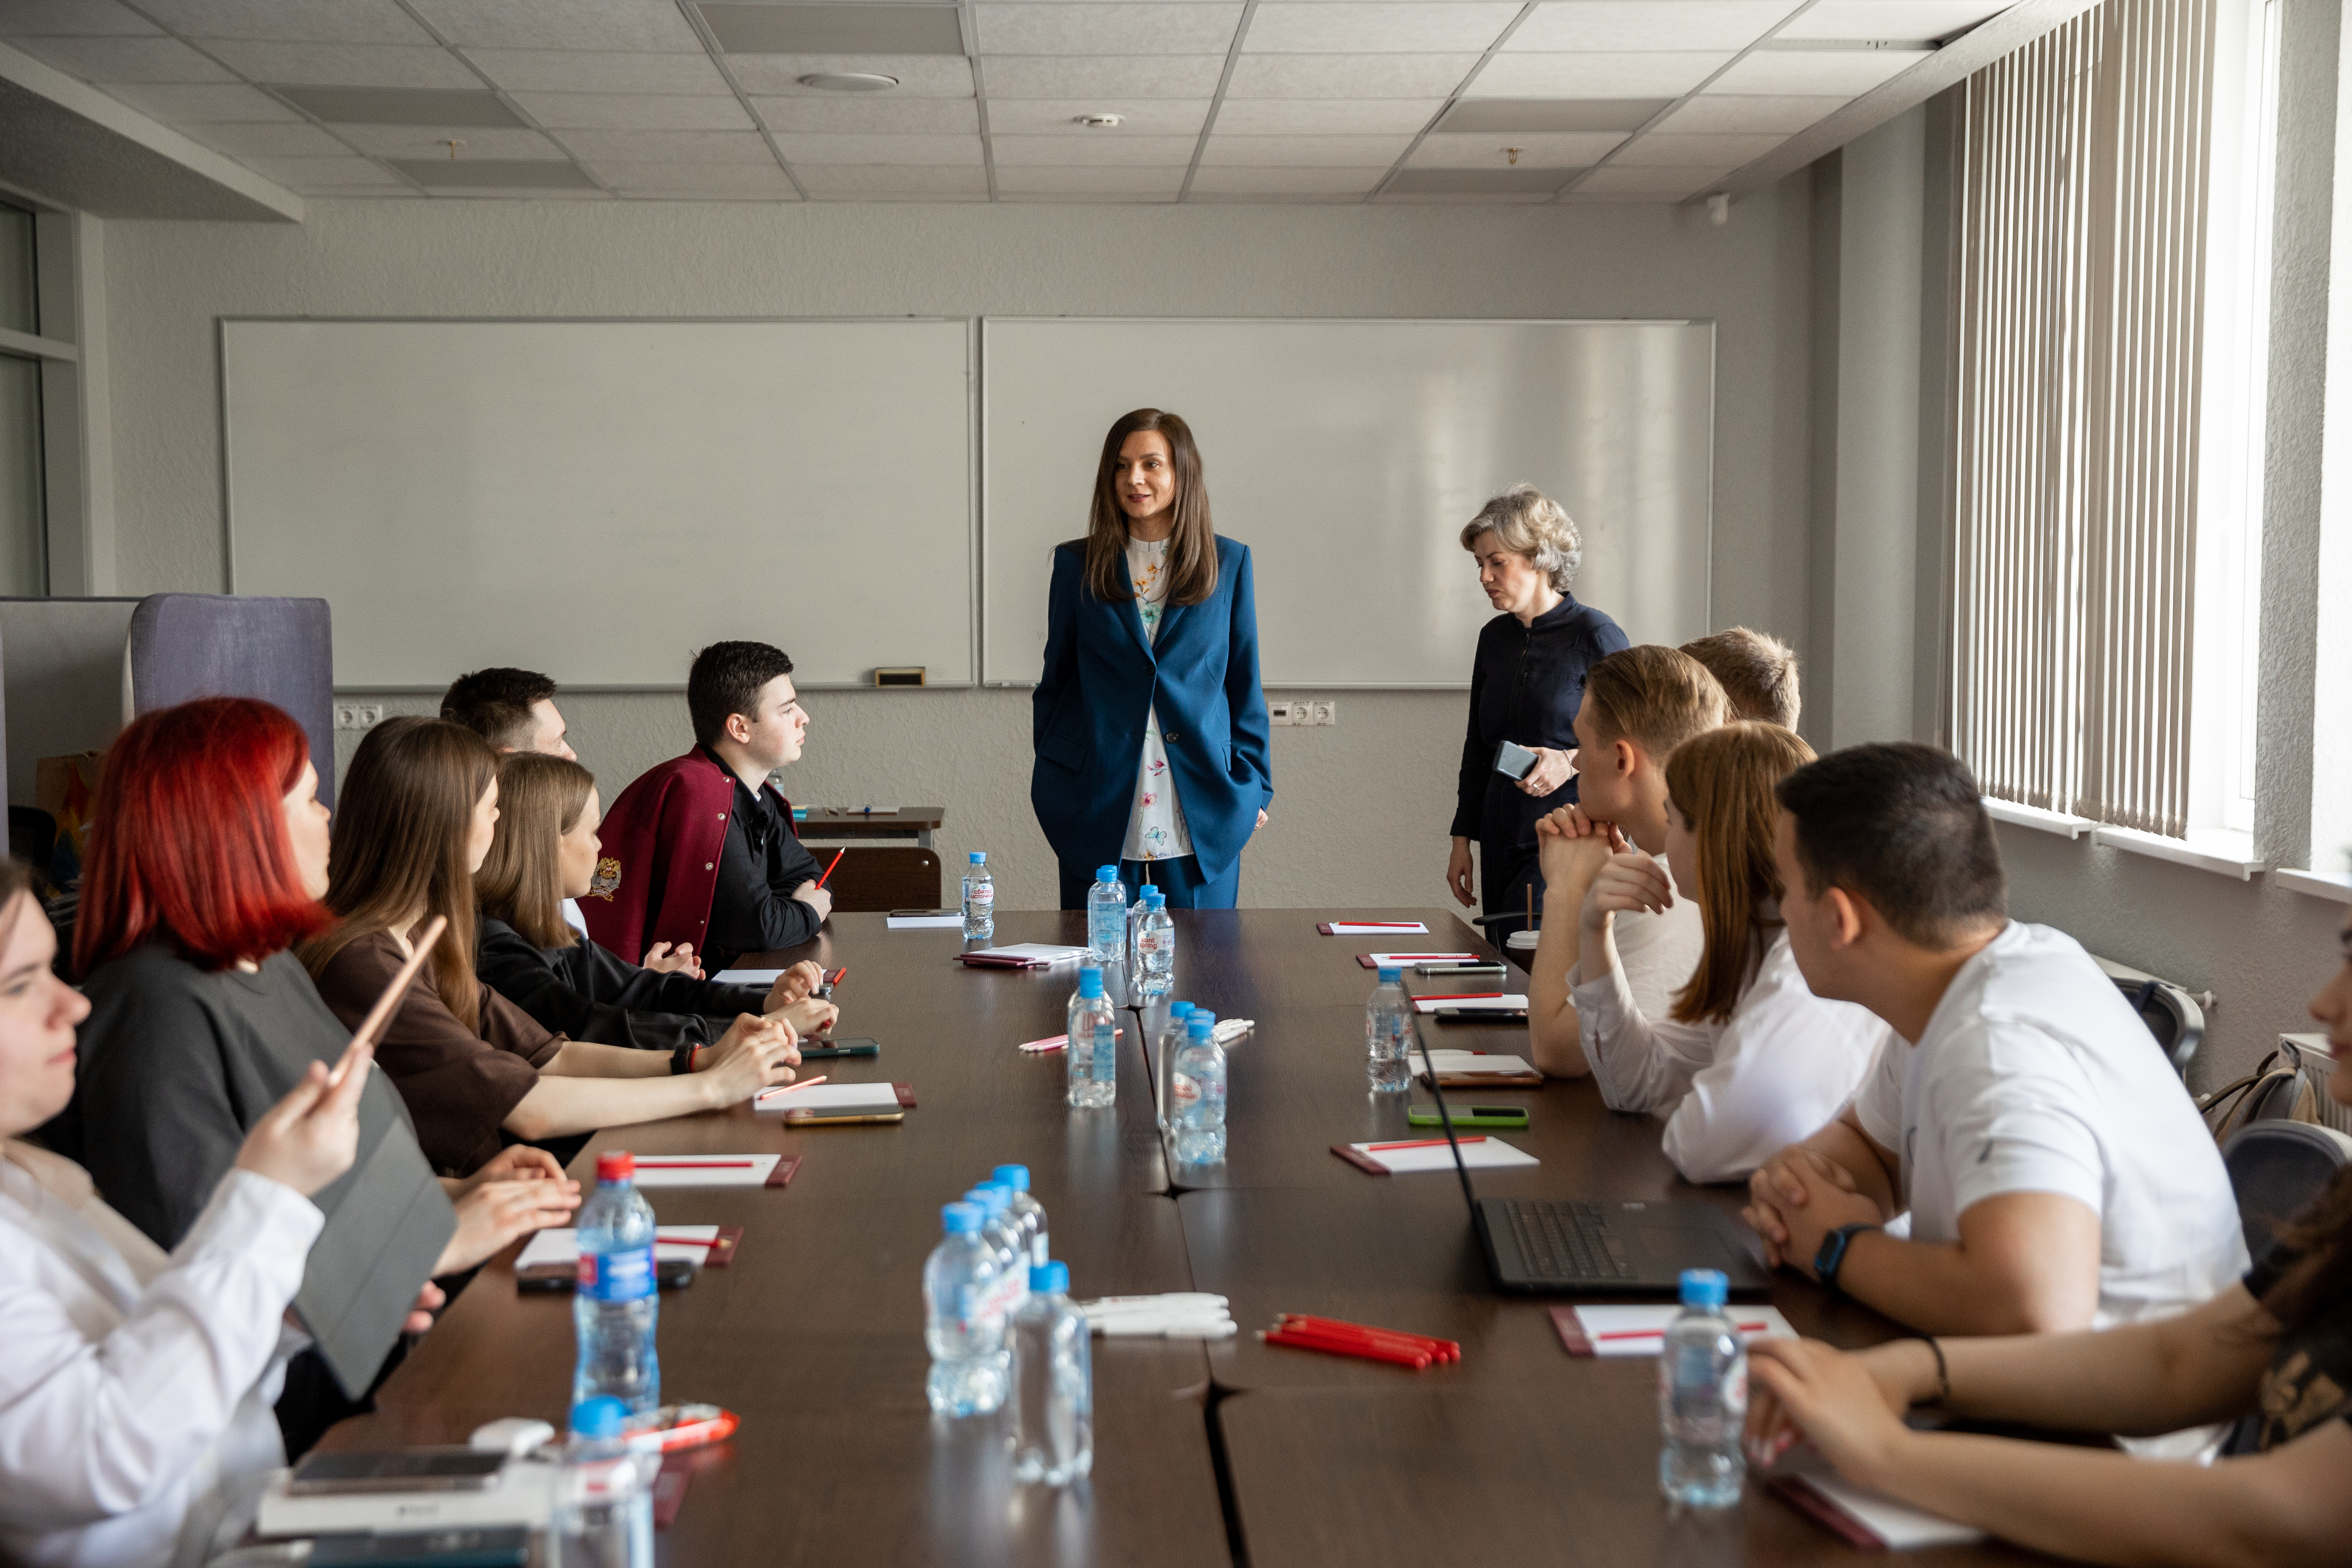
1103, 677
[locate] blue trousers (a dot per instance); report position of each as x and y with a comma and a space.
1178, 878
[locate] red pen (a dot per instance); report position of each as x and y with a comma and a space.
837, 861
1440, 1350
1661, 1334
1423, 1143
1362, 1349
644, 1163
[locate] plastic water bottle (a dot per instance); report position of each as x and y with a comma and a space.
979, 898
1093, 1049
970, 1361
1155, 948
1053, 1367
1388, 1035
1001, 1231
1028, 1210
605, 1498
1106, 917
615, 1304
1171, 1040
1200, 1093
1702, 1397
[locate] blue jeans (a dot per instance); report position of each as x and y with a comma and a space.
1180, 878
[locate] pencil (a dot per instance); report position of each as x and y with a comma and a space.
837, 861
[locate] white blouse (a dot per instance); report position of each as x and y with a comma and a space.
1155, 827
136, 1387
1735, 1093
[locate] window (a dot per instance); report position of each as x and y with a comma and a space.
24, 515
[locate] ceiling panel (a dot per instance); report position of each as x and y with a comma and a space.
1703, 151
695, 179
1258, 180
186, 105
1089, 27
892, 180
1095, 151
667, 146
279, 138
1545, 150
581, 70
1621, 26
1334, 27
1527, 184
1164, 179
634, 110
1594, 76
1130, 76
1348, 76
496, 174
72, 19
345, 174
886, 112
477, 142
639, 25
807, 147
1846, 71
344, 64
1491, 114
1668, 183
1325, 116
920, 76
1891, 18
1058, 116
290, 21
401, 105
1741, 111
837, 30
125, 60
1281, 151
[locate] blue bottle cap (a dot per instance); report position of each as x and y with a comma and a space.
600, 1418
980, 857
1201, 1027
1705, 1288
1050, 1279
1179, 1010
1105, 873
1090, 983
1013, 1176
1390, 976
1201, 1015
962, 1218
991, 1198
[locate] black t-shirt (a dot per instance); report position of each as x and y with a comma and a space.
2309, 1380
753, 909
584, 993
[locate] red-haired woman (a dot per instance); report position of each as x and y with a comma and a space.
207, 862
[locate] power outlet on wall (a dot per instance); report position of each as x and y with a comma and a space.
358, 715
1301, 713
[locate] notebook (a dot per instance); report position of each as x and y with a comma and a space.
1418, 1155
837, 1098
925, 920
747, 976
705, 1169
1022, 956
1864, 1519
1510, 1002
1371, 928
1483, 1069
1406, 960
1640, 1330
707, 1244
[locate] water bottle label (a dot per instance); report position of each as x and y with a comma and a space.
1186, 1093
983, 894
616, 1276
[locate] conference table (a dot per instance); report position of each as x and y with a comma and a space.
1217, 1453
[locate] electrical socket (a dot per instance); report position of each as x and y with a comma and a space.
358, 715
1325, 713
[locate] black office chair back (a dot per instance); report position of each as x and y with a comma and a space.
2171, 1015
2276, 1168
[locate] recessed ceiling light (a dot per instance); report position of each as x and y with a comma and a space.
1098, 121
849, 81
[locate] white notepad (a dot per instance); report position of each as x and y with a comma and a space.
1033, 951
1510, 1003
747, 976
691, 1242
829, 1097
1436, 1156
1377, 928
1899, 1525
1404, 959
1642, 1329
705, 1169
923, 922
1469, 1064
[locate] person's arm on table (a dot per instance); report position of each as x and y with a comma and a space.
521, 1189
586, 1087
1571, 851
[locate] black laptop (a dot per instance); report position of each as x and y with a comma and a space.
1602, 1246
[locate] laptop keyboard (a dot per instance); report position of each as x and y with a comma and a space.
1565, 1240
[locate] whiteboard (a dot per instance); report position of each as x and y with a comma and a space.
1347, 454
597, 499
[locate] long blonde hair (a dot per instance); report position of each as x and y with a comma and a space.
541, 799
1721, 782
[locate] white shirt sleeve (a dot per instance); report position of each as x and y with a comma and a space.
1637, 1065
1878, 1103
90, 1428
2013, 1117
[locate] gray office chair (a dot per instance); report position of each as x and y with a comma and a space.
2276, 1168
2171, 1015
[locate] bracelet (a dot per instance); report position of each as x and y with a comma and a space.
1943, 1371
681, 1060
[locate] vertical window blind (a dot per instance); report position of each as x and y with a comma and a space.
2081, 238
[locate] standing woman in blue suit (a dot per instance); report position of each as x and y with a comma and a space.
1149, 726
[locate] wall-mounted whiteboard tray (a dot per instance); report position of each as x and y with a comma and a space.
1347, 454
597, 499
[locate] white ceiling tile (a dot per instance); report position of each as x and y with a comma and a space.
801, 148
667, 146
1663, 183
1164, 180
279, 139
1570, 27
920, 76
1245, 180
344, 65
291, 21
1325, 116
1083, 198
1846, 71
1906, 19
1728, 112
432, 141
1699, 152
640, 25
124, 59
695, 179
72, 19
325, 173
1349, 76
1290, 151
1345, 27
1538, 149
1129, 76
177, 105
585, 70
1594, 76
1059, 116
888, 179
1090, 27
885, 112
1092, 150
634, 110
1270, 199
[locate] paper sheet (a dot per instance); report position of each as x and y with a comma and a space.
924, 922
1436, 1156
829, 1097
1621, 1331
1377, 928
1033, 951
747, 976
1406, 960
1512, 1002
1900, 1525
1463, 1064
691, 1242
705, 1169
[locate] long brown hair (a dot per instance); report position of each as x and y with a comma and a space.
402, 820
539, 800
1722, 783
2322, 1234
1192, 550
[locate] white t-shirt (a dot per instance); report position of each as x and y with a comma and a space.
1657, 955
2034, 1075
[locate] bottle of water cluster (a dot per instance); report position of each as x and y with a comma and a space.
615, 1306
605, 1498
1093, 1049
979, 898
1388, 1035
1053, 1367
1001, 1231
1027, 1211
1155, 949
1200, 1094
1702, 1397
1106, 918
1171, 1040
970, 1361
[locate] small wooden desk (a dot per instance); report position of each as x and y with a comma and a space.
834, 824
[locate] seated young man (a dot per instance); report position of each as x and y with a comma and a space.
1758, 674
702, 848
1639, 703
2055, 1172
513, 710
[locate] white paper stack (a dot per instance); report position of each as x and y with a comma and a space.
1378, 927
1641, 1329
1894, 1526
923, 922
1471, 1064
1177, 1315
689, 1242
747, 976
1409, 1156
835, 1097
1511, 1002
705, 1169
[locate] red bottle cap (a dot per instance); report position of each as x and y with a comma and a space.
616, 1165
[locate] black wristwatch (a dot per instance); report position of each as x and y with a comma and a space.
1831, 1255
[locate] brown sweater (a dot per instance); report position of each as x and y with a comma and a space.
460, 1084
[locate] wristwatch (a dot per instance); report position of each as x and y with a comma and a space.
1831, 1255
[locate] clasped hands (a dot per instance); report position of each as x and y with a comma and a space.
1577, 851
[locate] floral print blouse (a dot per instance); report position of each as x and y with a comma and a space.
1155, 828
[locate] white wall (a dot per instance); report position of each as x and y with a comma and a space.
1360, 808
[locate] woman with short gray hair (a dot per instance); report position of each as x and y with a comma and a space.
1526, 684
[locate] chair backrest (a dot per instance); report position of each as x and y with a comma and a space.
882, 877
2171, 1015
2276, 1167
